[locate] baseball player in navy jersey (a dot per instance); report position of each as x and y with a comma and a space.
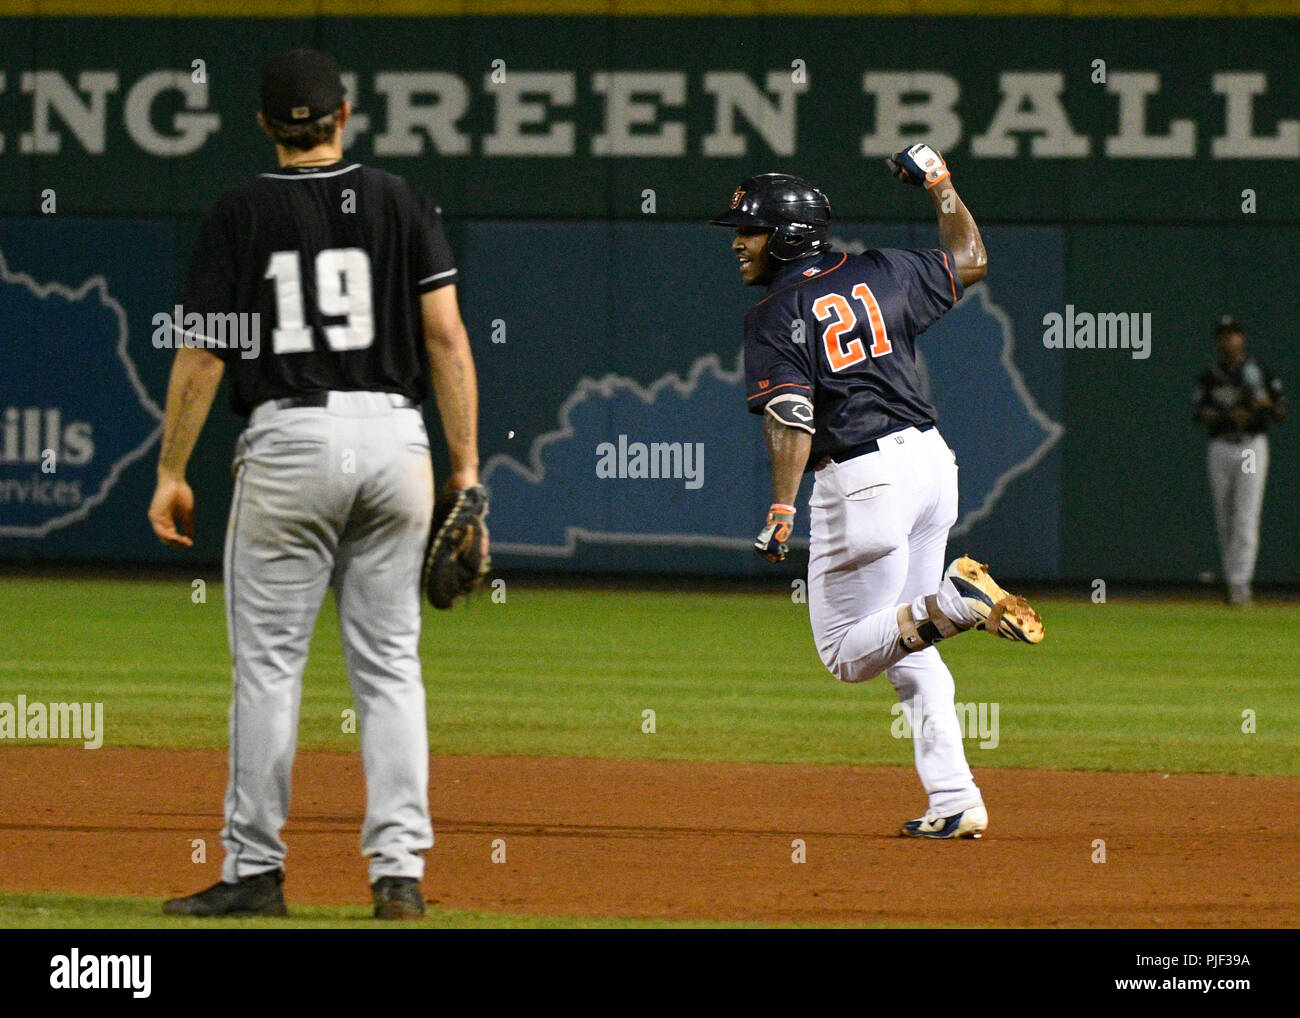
352, 276
1238, 399
830, 364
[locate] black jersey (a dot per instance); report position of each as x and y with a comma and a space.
333, 260
841, 329
1225, 387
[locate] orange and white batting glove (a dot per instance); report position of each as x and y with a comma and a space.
771, 540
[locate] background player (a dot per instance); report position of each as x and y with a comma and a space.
830, 363
334, 484
1237, 399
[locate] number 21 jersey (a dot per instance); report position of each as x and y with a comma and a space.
841, 329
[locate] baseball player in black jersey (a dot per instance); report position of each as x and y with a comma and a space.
348, 273
1238, 399
830, 364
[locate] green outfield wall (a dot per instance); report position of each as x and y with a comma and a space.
1145, 166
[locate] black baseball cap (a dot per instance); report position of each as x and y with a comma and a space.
301, 86
1227, 324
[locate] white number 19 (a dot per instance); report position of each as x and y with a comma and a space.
342, 288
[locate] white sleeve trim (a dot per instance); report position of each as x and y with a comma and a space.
437, 275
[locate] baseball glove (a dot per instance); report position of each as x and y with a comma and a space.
454, 560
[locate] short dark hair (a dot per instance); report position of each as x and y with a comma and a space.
304, 136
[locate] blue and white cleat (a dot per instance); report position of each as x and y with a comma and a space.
969, 823
999, 613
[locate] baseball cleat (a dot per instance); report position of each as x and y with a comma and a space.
969, 823
253, 896
1000, 613
398, 898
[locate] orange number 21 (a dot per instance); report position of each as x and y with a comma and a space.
841, 355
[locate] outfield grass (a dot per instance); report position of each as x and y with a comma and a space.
1126, 685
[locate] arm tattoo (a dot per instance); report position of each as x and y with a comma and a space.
177, 430
193, 383
779, 437
788, 449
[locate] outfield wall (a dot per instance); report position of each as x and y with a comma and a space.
1135, 166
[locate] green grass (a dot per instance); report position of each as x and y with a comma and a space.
1128, 685
71, 912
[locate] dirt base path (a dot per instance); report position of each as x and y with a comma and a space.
689, 840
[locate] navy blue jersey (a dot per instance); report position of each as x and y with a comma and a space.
841, 329
333, 259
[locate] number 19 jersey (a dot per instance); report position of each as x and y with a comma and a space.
332, 260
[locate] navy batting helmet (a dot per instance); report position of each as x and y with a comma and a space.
797, 213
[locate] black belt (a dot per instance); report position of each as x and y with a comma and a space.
322, 399
872, 446
1236, 436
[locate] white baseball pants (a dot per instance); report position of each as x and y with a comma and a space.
879, 534
338, 496
1238, 472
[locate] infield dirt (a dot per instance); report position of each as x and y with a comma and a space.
703, 841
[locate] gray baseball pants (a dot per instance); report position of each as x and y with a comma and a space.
340, 497
1238, 471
